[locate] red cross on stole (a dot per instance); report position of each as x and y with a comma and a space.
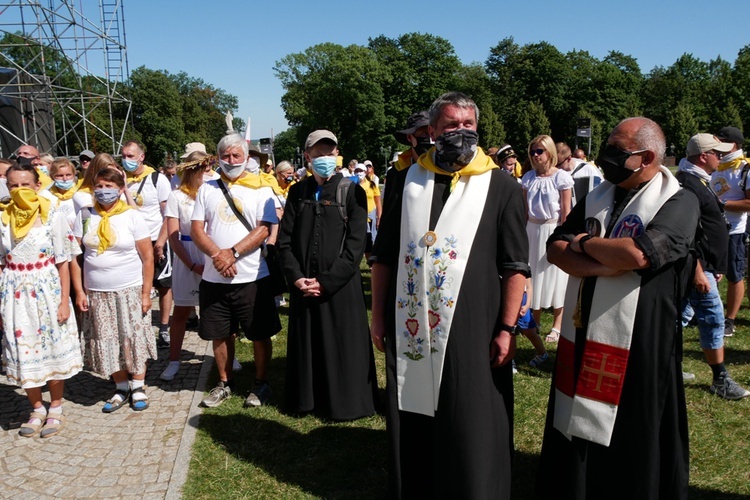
602, 372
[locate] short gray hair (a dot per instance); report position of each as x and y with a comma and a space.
284, 165
650, 136
458, 99
230, 141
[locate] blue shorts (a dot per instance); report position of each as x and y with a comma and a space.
737, 259
526, 321
709, 312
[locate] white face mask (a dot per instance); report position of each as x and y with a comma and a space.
361, 175
253, 166
232, 171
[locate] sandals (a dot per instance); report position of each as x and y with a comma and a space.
53, 425
115, 403
141, 403
33, 429
554, 335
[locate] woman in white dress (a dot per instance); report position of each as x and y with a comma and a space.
118, 267
40, 340
188, 266
548, 192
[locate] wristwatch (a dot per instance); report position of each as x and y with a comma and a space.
512, 329
235, 253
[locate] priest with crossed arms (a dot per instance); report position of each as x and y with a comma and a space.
450, 263
616, 421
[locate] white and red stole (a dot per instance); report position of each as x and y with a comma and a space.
431, 269
586, 402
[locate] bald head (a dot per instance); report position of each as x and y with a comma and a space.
641, 135
27, 151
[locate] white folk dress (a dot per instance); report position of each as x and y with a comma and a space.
543, 200
185, 283
36, 347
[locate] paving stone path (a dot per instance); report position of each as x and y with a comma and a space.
123, 454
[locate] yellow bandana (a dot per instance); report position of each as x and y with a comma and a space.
479, 165
270, 180
105, 232
63, 195
404, 160
138, 178
249, 181
23, 209
733, 164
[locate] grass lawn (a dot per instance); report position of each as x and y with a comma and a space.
264, 453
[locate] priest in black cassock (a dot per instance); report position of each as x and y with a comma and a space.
449, 267
617, 422
330, 368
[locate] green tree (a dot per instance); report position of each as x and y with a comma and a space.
287, 144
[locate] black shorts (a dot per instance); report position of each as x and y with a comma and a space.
163, 269
736, 258
251, 305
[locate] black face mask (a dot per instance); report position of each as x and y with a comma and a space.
612, 162
423, 145
455, 149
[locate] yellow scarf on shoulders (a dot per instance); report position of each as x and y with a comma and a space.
63, 195
138, 178
105, 232
248, 180
479, 165
21, 213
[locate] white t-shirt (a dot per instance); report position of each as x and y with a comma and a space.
226, 230
82, 199
120, 266
543, 193
150, 199
180, 206
727, 184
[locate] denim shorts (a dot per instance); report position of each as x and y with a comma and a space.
709, 313
737, 259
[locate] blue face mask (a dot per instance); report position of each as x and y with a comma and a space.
65, 185
43, 169
324, 166
130, 165
106, 196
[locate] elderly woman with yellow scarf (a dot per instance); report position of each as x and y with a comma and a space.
40, 339
116, 291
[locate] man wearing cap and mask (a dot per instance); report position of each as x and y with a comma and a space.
150, 190
704, 152
452, 225
330, 367
616, 420
235, 286
729, 182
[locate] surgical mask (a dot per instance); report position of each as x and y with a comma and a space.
612, 161
455, 148
65, 185
130, 165
423, 145
253, 166
232, 171
289, 178
324, 166
106, 196
43, 169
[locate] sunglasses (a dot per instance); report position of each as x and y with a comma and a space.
537, 152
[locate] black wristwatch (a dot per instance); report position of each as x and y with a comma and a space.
236, 253
582, 241
512, 329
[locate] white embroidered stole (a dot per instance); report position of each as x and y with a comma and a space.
429, 280
587, 407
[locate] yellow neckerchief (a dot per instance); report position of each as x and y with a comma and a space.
732, 164
270, 180
479, 165
85, 189
25, 204
64, 195
105, 232
44, 179
191, 193
248, 180
405, 160
286, 189
138, 178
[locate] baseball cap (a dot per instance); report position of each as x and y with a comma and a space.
700, 143
87, 153
731, 134
193, 147
368, 162
360, 167
413, 123
319, 135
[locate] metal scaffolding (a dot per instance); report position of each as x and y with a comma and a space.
63, 65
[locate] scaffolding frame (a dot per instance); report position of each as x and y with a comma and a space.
91, 41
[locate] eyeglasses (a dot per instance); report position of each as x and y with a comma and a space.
716, 154
537, 152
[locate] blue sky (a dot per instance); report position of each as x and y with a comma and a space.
234, 44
